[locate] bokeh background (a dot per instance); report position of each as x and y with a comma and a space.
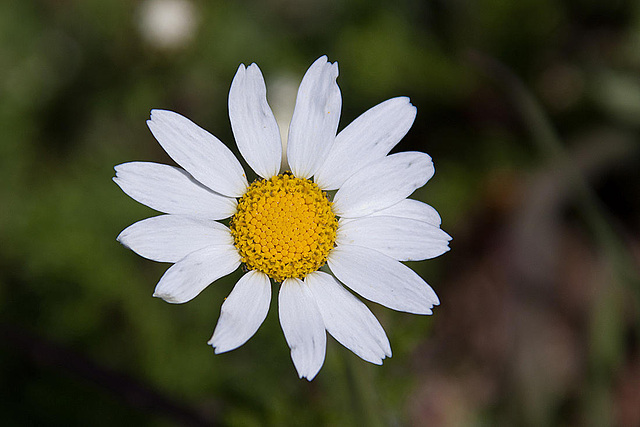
530, 110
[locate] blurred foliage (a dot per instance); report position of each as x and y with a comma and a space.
537, 325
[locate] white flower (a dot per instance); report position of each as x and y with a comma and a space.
283, 226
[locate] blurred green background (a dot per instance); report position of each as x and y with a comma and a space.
530, 110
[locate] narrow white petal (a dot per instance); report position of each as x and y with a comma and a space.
303, 327
169, 238
347, 319
171, 190
382, 279
242, 312
201, 154
369, 137
315, 118
412, 209
184, 280
382, 183
253, 123
400, 238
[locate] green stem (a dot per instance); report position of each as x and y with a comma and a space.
367, 410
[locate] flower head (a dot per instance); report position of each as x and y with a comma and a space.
284, 227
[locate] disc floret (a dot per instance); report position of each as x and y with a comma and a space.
284, 227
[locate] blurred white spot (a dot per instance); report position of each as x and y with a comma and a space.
282, 98
167, 24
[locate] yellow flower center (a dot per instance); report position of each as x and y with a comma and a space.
284, 227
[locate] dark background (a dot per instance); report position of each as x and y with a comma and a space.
530, 110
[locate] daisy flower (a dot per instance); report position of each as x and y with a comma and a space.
284, 227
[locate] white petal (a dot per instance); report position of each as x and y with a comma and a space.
315, 118
400, 238
347, 319
382, 279
253, 123
201, 154
184, 280
369, 137
382, 183
169, 238
242, 312
171, 190
413, 209
303, 327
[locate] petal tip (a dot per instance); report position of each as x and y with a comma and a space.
158, 115
217, 349
154, 113
308, 376
118, 168
166, 298
159, 112
120, 238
